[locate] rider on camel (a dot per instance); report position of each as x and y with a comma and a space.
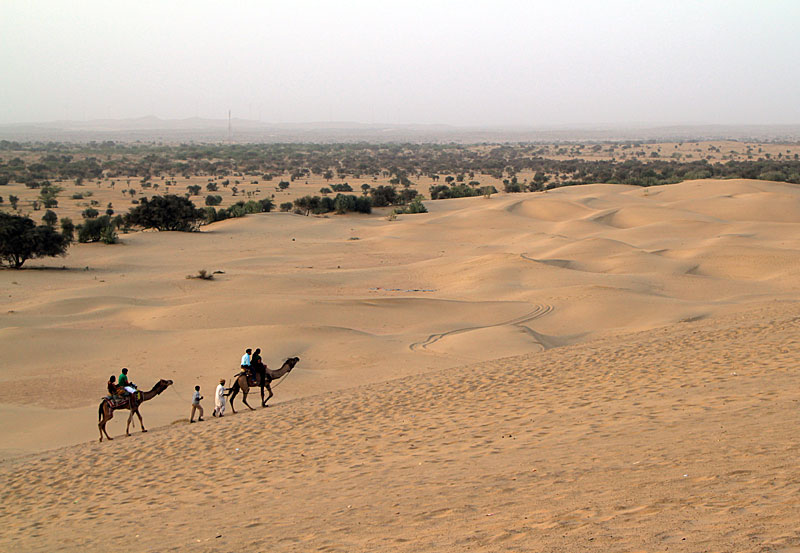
257, 366
124, 383
246, 361
113, 389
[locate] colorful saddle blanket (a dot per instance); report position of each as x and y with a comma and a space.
117, 402
122, 401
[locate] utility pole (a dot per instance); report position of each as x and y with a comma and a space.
229, 126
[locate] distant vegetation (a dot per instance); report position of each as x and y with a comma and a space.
399, 163
340, 204
392, 172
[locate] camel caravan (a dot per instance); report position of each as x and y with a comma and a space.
253, 372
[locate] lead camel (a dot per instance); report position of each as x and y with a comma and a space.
240, 383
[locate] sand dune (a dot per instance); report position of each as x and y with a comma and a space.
652, 402
362, 299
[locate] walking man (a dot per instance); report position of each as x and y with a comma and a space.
219, 399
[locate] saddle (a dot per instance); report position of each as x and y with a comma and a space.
250, 374
123, 401
117, 402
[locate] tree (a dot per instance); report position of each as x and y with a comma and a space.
306, 204
4, 180
100, 229
21, 239
344, 187
286, 206
213, 199
68, 228
13, 200
407, 195
349, 202
50, 218
168, 212
383, 196
267, 205
48, 194
194, 189
90, 213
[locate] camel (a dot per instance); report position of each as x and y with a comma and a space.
106, 410
240, 383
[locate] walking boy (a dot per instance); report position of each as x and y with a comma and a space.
196, 404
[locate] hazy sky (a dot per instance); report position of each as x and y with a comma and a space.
532, 63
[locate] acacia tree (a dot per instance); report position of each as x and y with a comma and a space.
168, 212
21, 239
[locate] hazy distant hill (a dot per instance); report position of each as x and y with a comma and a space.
242, 130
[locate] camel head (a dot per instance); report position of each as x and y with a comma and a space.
292, 362
162, 385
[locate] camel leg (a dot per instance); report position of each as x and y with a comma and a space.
269, 389
263, 401
141, 422
244, 400
231, 396
128, 427
109, 438
100, 421
107, 416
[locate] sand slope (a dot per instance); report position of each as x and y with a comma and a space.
599, 368
682, 438
363, 299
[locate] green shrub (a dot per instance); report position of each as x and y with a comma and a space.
344, 203
213, 200
778, 176
697, 174
442, 191
99, 229
416, 206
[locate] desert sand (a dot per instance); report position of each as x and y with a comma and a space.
600, 367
